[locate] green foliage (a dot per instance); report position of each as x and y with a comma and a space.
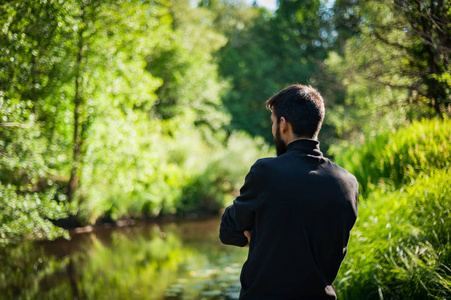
395, 158
29, 192
368, 107
266, 52
65, 68
159, 147
394, 68
168, 174
27, 216
189, 75
114, 104
222, 176
134, 106
401, 246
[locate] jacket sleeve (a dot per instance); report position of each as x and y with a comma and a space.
240, 216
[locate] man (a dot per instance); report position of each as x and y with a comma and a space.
297, 209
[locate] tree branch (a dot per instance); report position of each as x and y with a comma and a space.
13, 124
386, 41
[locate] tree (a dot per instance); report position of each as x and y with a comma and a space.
398, 66
427, 24
266, 52
63, 61
31, 70
345, 22
190, 83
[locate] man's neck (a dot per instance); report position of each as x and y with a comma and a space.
293, 138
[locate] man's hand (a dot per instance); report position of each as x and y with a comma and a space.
247, 233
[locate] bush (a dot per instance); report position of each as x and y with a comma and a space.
400, 247
154, 173
219, 183
27, 216
396, 158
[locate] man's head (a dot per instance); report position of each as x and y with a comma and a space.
297, 112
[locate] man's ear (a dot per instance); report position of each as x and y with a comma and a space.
283, 124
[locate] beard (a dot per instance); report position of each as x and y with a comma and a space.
281, 147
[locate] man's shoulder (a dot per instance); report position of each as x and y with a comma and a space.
263, 167
341, 172
263, 164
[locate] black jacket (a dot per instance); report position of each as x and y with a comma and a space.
300, 207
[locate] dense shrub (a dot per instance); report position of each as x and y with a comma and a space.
396, 157
29, 193
163, 175
27, 216
401, 247
223, 176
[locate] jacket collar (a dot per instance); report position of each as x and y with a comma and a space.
305, 146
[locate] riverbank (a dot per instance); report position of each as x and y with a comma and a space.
106, 224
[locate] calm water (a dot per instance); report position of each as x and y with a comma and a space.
178, 260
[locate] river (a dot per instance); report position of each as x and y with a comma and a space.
164, 260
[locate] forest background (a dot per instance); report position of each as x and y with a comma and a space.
117, 109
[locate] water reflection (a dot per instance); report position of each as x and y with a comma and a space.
154, 261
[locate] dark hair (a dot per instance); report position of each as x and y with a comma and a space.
302, 106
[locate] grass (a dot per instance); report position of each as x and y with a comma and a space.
395, 158
400, 247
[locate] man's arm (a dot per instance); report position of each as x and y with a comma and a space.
240, 216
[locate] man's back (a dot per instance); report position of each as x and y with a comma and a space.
300, 208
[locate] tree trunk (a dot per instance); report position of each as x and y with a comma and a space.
74, 180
